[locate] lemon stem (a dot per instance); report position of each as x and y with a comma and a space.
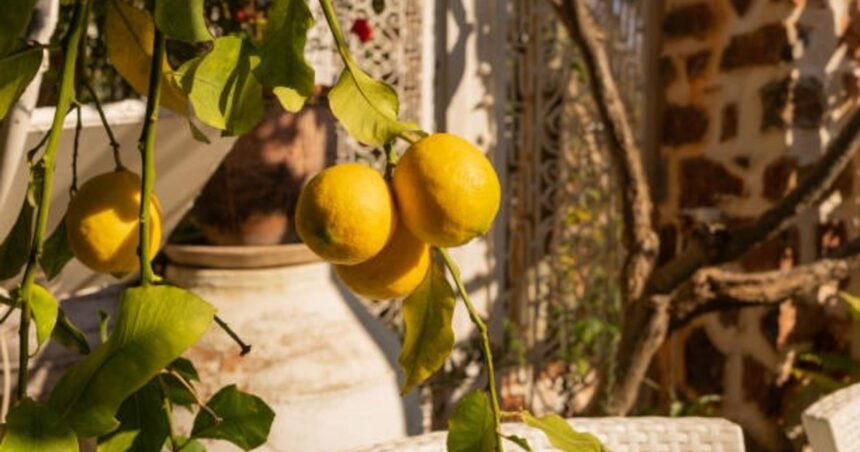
244, 346
485, 340
48, 161
114, 144
147, 151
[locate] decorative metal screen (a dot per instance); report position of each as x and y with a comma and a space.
563, 238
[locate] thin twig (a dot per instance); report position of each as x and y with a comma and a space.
64, 101
168, 411
245, 348
114, 143
75, 151
485, 341
197, 398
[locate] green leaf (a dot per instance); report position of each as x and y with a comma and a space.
177, 392
154, 325
14, 19
182, 20
471, 427
104, 323
197, 134
561, 435
429, 338
129, 35
189, 445
282, 53
69, 335
185, 367
44, 307
519, 441
245, 419
16, 72
222, 88
367, 108
143, 423
34, 427
16, 248
57, 252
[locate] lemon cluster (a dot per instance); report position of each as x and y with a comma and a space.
444, 193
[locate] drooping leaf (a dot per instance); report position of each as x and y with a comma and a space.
197, 134
56, 253
143, 423
44, 307
16, 72
519, 441
182, 20
471, 427
429, 338
128, 36
222, 87
367, 108
561, 435
16, 247
154, 325
34, 427
282, 53
14, 19
245, 419
69, 335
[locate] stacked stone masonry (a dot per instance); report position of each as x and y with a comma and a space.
753, 91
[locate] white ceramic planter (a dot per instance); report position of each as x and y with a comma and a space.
318, 358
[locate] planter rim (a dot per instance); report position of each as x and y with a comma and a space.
239, 257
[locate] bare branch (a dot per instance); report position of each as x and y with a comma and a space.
809, 192
642, 241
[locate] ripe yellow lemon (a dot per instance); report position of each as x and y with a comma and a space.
395, 272
102, 223
447, 191
345, 214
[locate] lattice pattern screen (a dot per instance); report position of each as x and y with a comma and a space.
563, 233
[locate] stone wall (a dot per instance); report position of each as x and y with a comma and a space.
753, 90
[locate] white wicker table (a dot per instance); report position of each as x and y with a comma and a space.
832, 424
631, 434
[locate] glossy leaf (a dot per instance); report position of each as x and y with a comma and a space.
429, 338
154, 325
69, 335
245, 419
45, 309
519, 441
282, 53
367, 108
182, 20
129, 34
222, 88
561, 435
16, 247
143, 423
56, 253
16, 72
14, 19
34, 427
471, 427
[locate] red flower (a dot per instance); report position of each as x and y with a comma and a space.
241, 16
362, 29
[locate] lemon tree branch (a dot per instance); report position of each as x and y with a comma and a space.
485, 339
48, 161
147, 150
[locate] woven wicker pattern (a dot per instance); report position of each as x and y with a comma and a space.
831, 423
641, 434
